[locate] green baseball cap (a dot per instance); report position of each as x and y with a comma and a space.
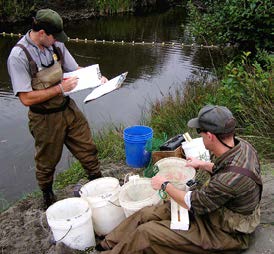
215, 119
52, 23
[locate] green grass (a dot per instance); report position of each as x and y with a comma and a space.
69, 176
110, 144
171, 114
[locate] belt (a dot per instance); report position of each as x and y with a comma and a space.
44, 111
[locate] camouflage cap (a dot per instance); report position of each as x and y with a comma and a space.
215, 119
52, 23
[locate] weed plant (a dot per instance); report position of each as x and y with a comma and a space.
247, 89
70, 176
110, 144
171, 114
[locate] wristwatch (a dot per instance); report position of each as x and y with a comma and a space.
164, 184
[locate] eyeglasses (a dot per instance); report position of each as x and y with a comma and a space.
200, 130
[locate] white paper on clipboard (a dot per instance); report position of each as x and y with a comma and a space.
107, 87
88, 77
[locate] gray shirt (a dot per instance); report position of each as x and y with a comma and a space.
18, 64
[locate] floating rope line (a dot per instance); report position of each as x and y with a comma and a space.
168, 44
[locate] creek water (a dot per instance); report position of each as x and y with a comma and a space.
153, 72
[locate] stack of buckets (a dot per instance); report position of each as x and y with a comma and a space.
136, 139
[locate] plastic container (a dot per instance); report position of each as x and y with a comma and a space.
175, 170
103, 197
196, 149
70, 222
136, 194
135, 139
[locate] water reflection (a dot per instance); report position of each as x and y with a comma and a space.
153, 27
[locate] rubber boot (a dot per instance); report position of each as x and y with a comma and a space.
95, 176
49, 197
99, 247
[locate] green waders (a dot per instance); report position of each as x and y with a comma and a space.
148, 231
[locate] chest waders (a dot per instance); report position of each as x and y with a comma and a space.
56, 122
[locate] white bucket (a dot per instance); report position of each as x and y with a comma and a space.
196, 148
70, 222
136, 194
103, 197
174, 169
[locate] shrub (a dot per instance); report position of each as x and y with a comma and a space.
247, 90
247, 23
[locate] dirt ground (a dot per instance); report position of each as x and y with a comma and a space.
24, 230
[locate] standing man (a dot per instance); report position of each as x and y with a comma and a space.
223, 213
36, 65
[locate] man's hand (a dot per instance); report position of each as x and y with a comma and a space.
69, 83
199, 164
193, 162
173, 192
156, 182
39, 96
104, 80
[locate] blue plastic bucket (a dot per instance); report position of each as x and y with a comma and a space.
136, 138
